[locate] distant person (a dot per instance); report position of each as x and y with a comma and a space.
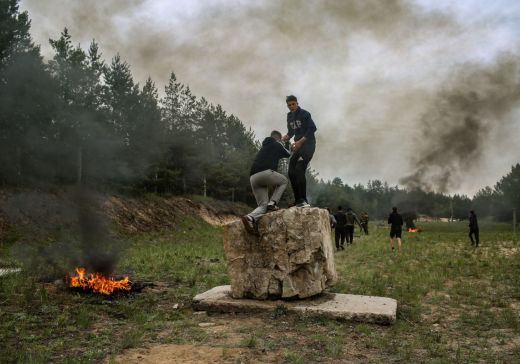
473, 229
363, 219
332, 219
396, 227
263, 176
340, 233
349, 225
302, 127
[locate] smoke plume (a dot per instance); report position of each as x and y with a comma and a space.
456, 125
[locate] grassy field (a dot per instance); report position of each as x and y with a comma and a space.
455, 304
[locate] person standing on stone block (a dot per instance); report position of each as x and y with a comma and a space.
263, 176
396, 227
302, 127
340, 233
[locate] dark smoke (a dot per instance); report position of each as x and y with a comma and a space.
100, 250
456, 126
60, 231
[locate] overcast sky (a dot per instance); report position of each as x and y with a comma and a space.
371, 73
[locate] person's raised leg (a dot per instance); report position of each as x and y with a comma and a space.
280, 182
259, 184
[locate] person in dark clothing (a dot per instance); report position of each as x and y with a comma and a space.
364, 222
351, 218
302, 127
332, 219
473, 229
263, 176
340, 232
396, 227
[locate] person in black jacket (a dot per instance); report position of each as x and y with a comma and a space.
263, 176
473, 228
396, 227
340, 233
302, 127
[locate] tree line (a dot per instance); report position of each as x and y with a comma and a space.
78, 119
378, 197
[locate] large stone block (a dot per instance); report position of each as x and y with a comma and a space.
292, 257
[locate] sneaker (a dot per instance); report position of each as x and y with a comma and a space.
271, 206
303, 204
249, 224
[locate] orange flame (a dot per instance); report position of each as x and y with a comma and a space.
412, 230
98, 283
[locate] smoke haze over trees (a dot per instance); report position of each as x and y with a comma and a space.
80, 118
373, 73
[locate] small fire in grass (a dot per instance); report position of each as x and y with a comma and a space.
413, 230
98, 283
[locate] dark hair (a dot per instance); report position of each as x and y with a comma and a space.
291, 98
340, 208
394, 209
276, 133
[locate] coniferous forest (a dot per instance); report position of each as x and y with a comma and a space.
78, 118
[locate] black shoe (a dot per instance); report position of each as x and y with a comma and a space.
249, 224
342, 247
272, 207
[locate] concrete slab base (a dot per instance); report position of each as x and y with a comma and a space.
380, 310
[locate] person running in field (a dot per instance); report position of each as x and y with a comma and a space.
396, 227
364, 222
263, 176
351, 218
302, 127
332, 219
473, 229
340, 233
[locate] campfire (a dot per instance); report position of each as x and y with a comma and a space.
98, 283
413, 230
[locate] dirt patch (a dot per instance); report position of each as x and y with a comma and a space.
171, 353
144, 215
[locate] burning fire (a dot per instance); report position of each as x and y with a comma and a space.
98, 283
412, 230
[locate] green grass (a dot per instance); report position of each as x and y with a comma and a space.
455, 303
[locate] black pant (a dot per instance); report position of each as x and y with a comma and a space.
474, 232
297, 167
365, 228
350, 233
340, 234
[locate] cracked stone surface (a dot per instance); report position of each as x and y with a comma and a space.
292, 257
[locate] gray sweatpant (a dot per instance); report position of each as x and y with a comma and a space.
260, 183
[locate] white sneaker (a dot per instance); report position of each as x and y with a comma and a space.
303, 204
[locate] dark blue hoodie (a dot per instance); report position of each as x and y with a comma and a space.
268, 156
300, 124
